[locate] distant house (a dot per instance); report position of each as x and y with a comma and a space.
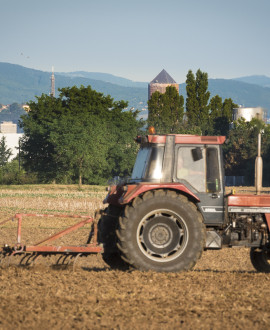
8, 127
3, 107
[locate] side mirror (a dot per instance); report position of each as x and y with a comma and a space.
197, 154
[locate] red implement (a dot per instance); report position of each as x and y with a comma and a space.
40, 247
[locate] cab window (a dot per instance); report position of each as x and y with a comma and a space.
199, 166
212, 173
190, 168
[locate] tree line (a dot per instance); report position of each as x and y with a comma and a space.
82, 136
203, 115
85, 136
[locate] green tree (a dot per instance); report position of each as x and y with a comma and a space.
203, 96
197, 107
192, 105
73, 136
214, 117
215, 113
166, 111
5, 152
122, 151
220, 115
80, 147
241, 150
37, 152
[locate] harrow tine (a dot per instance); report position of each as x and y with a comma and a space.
29, 259
36, 256
59, 259
63, 260
68, 261
25, 260
75, 260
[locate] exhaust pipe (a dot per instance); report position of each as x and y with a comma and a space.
258, 168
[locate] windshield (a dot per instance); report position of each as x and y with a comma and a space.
140, 164
148, 165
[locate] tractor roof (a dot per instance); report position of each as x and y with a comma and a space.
188, 139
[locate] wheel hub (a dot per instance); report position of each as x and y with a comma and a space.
161, 235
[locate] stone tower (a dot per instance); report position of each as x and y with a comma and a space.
160, 82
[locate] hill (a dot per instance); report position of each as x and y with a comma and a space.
244, 94
19, 84
263, 81
105, 77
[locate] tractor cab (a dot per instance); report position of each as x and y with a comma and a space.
190, 161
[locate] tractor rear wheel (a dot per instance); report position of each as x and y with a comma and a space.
260, 259
161, 231
107, 236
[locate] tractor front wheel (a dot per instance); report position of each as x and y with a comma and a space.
161, 231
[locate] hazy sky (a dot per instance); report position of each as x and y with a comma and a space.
137, 39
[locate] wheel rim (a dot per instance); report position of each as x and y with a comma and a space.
162, 235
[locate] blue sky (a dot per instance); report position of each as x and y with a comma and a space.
137, 39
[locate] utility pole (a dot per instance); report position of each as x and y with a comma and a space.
259, 167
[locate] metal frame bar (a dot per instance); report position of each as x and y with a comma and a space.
53, 249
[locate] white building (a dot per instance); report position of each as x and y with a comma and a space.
8, 127
249, 113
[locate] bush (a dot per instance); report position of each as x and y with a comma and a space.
11, 174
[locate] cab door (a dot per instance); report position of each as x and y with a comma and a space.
212, 200
200, 169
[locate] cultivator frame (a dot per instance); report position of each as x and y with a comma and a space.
66, 253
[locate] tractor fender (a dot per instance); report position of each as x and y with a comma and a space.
129, 192
267, 217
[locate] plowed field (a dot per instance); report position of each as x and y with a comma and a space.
222, 292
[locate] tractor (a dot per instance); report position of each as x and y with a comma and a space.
174, 206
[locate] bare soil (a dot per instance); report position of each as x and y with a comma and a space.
222, 292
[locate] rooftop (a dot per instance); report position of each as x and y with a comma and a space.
163, 78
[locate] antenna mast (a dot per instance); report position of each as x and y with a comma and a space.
52, 84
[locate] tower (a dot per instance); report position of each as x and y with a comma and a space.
160, 82
52, 93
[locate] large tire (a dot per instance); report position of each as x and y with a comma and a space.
161, 231
260, 259
107, 226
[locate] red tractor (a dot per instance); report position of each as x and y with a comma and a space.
174, 206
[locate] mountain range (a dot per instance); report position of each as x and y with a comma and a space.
19, 84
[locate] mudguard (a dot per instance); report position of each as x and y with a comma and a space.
121, 195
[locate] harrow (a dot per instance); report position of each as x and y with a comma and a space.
66, 254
